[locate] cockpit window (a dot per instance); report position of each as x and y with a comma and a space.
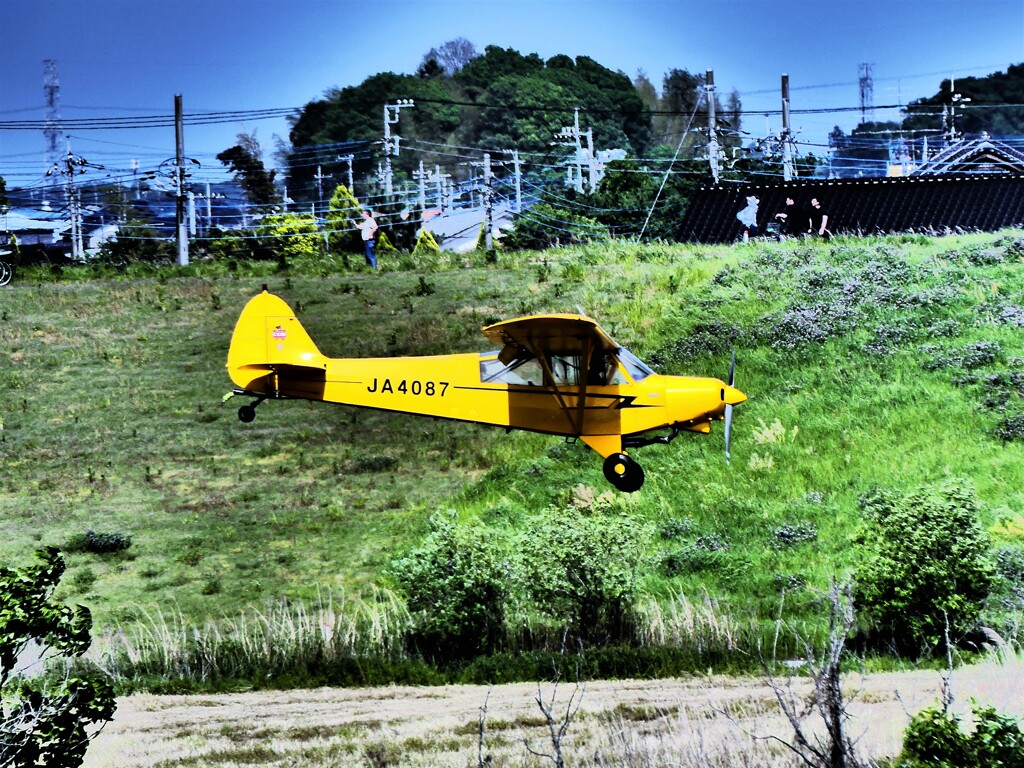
522, 370
635, 367
605, 369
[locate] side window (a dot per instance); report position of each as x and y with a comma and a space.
522, 370
565, 369
604, 370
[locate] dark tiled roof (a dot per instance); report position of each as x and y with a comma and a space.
981, 154
865, 206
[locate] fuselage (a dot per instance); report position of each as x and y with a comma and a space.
455, 387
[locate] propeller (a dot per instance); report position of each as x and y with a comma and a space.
728, 408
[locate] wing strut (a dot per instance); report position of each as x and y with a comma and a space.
575, 416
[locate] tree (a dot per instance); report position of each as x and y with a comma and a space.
992, 108
645, 90
545, 224
290, 235
452, 56
456, 585
45, 723
495, 63
353, 117
833, 749
679, 97
343, 219
245, 160
927, 571
583, 569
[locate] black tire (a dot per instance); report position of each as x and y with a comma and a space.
246, 413
624, 473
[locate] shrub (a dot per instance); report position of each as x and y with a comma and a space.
584, 570
99, 543
935, 738
1010, 428
926, 571
456, 585
793, 534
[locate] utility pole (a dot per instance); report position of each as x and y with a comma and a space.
709, 87
787, 133
179, 156
571, 137
209, 210
591, 171
440, 179
488, 212
319, 184
579, 149
391, 115
518, 175
421, 177
68, 168
867, 93
949, 117
348, 160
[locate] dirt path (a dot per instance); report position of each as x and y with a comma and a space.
693, 721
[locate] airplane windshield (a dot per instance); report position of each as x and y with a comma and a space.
563, 370
635, 367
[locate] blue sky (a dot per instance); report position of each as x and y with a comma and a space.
124, 58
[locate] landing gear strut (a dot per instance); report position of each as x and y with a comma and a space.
248, 412
624, 473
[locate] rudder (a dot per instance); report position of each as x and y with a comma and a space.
268, 338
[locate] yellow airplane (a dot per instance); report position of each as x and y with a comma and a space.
557, 374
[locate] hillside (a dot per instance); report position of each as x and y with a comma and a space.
895, 363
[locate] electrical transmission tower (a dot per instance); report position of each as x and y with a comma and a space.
51, 125
867, 93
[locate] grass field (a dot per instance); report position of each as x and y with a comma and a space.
703, 721
894, 362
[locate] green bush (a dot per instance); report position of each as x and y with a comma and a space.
456, 586
934, 739
584, 571
99, 543
927, 570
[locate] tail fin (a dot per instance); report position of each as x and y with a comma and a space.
267, 338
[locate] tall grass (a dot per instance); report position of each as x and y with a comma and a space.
284, 641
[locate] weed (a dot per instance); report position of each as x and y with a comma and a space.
99, 543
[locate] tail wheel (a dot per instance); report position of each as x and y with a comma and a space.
246, 413
624, 473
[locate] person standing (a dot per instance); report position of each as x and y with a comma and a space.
369, 232
789, 219
818, 219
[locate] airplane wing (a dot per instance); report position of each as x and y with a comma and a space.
542, 335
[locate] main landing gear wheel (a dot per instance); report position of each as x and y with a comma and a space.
624, 473
246, 413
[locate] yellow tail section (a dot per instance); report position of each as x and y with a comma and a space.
268, 338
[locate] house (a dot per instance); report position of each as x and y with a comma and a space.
979, 155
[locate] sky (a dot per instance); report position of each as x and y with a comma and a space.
128, 58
